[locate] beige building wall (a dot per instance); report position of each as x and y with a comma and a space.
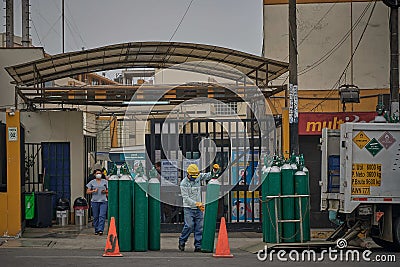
321, 26
9, 57
62, 126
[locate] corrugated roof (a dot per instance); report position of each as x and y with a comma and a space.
227, 63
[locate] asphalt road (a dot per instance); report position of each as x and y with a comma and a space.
20, 257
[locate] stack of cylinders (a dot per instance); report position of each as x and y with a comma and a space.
141, 214
265, 216
302, 188
274, 205
210, 216
288, 213
113, 193
125, 213
154, 214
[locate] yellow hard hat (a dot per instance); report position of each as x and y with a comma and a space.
216, 166
193, 170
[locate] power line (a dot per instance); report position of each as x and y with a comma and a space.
316, 24
180, 22
52, 28
73, 36
314, 27
337, 45
351, 58
334, 48
34, 27
73, 24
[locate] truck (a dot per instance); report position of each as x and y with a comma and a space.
360, 181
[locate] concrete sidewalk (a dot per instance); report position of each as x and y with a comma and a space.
74, 237
82, 237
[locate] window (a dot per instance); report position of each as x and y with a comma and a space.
226, 108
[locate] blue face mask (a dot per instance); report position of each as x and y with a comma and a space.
192, 178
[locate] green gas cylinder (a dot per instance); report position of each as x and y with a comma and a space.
154, 211
210, 215
302, 188
125, 213
289, 229
141, 219
274, 188
113, 193
266, 222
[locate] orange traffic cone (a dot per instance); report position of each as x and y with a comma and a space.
112, 247
223, 250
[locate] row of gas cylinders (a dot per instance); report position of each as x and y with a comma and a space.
286, 201
135, 205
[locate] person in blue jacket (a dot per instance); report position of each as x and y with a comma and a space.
192, 206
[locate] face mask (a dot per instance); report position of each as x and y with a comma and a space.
192, 178
98, 176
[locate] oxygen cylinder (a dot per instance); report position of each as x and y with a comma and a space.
302, 188
141, 218
274, 189
113, 193
289, 229
210, 215
266, 222
154, 214
125, 213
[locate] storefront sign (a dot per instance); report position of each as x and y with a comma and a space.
312, 123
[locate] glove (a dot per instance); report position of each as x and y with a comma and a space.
200, 206
215, 172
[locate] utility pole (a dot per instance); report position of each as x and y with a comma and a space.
293, 84
394, 62
394, 56
63, 26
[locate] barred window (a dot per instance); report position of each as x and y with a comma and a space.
226, 108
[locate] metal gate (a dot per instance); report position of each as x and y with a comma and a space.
239, 206
33, 167
90, 152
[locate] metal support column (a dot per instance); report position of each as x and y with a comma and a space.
9, 23
25, 23
13, 173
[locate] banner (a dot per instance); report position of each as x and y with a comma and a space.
312, 123
169, 172
243, 208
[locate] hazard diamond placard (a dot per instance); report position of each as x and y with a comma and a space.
387, 140
374, 147
361, 139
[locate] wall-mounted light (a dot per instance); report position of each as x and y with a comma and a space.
349, 93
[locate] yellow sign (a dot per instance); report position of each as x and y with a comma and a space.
360, 191
362, 182
366, 170
363, 176
361, 140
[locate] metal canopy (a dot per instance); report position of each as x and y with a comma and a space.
118, 96
227, 63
